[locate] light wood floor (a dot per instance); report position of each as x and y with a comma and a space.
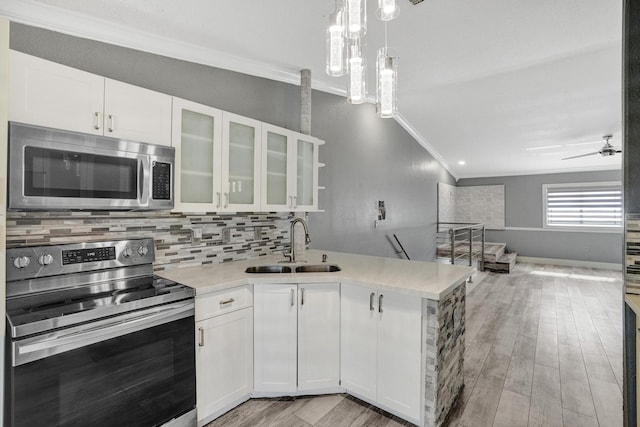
543, 348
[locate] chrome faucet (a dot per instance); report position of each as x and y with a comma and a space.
292, 236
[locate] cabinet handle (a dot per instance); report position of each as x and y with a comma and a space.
219, 196
291, 201
295, 201
371, 301
226, 200
201, 339
111, 122
301, 296
380, 303
96, 120
293, 297
227, 301
233, 186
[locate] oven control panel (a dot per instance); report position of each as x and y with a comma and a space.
88, 255
41, 261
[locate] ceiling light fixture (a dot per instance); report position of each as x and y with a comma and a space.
356, 17
336, 43
357, 82
345, 42
462, 162
387, 10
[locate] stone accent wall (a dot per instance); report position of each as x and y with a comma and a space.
170, 231
444, 327
483, 204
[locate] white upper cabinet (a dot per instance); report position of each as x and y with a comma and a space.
306, 158
137, 114
278, 170
46, 93
241, 163
289, 170
197, 138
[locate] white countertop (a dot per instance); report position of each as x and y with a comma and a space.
424, 279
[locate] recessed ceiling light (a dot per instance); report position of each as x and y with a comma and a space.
462, 162
542, 148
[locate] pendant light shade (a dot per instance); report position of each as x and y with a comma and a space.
356, 18
336, 46
357, 81
387, 84
387, 10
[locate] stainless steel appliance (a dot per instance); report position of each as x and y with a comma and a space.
95, 339
53, 169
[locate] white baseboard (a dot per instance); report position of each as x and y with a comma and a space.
570, 263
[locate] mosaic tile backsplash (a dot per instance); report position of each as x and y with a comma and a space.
170, 231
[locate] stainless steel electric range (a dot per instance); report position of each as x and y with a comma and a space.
94, 338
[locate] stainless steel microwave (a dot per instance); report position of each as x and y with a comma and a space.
50, 169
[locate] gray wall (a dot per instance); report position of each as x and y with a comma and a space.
524, 209
368, 159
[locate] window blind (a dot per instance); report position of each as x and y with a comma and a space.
583, 205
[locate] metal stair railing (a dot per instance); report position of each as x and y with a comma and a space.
460, 237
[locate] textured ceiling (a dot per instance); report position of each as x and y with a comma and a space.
478, 81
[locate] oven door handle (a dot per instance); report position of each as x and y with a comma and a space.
39, 347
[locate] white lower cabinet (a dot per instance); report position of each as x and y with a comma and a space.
381, 349
224, 353
297, 338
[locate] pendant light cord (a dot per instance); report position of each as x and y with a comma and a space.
385, 37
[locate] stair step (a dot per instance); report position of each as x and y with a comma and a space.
493, 251
504, 264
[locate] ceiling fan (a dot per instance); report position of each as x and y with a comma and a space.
606, 150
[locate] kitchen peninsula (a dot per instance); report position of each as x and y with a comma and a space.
388, 331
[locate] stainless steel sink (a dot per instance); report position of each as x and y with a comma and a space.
318, 268
268, 269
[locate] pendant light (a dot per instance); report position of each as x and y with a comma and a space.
336, 46
386, 81
357, 81
356, 18
387, 10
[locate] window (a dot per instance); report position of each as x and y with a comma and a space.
595, 205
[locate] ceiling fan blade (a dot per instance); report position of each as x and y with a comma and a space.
618, 151
581, 155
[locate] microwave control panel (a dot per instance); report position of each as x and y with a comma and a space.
161, 178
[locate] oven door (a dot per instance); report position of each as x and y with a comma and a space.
143, 377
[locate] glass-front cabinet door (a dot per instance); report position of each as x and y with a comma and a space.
306, 177
197, 138
278, 169
241, 163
